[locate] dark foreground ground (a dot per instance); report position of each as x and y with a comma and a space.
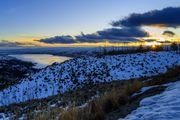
13, 70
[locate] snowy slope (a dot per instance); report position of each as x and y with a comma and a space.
77, 72
165, 106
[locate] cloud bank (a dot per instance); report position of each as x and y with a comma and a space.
111, 35
167, 17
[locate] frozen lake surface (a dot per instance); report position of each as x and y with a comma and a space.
41, 60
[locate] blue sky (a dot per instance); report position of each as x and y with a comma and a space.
26, 19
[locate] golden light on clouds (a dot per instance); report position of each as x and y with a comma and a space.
159, 25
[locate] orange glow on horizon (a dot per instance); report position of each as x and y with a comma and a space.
100, 44
30, 42
153, 44
158, 25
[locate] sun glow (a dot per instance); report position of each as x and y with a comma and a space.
153, 44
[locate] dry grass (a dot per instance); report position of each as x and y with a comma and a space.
46, 115
171, 75
96, 109
108, 102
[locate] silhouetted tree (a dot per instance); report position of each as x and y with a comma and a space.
174, 46
140, 48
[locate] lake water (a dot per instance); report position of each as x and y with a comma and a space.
41, 60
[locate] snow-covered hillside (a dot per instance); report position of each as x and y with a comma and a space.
77, 72
165, 106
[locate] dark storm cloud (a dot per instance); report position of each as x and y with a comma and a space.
168, 17
94, 38
168, 33
58, 39
91, 38
113, 35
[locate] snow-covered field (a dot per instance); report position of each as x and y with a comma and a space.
164, 106
78, 72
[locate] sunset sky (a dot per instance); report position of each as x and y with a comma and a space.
26, 22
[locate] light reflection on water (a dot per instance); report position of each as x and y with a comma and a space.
41, 60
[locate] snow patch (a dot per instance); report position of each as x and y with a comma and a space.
164, 106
